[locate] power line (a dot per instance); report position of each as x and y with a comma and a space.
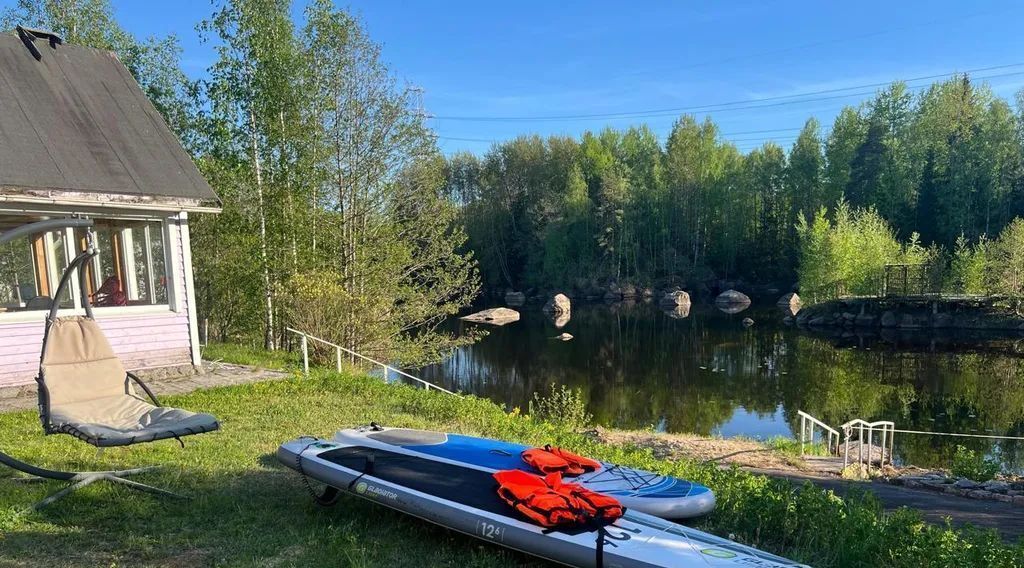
715, 106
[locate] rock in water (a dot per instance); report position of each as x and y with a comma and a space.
514, 298
563, 337
790, 304
494, 316
676, 298
561, 320
558, 305
732, 297
747, 322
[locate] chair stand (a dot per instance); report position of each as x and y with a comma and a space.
80, 479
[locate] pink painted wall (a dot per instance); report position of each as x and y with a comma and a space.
142, 341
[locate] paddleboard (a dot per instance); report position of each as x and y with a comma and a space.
662, 496
462, 497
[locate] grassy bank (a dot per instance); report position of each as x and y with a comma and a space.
248, 510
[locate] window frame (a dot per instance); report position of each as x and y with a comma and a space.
169, 235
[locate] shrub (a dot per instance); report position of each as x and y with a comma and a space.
563, 406
968, 268
974, 466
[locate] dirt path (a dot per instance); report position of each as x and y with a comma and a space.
757, 458
724, 451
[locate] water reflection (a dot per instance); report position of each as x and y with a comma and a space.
703, 372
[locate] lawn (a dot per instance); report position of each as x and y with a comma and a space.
247, 510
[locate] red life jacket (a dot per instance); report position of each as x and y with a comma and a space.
557, 460
534, 498
550, 503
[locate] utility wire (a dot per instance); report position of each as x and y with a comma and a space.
715, 106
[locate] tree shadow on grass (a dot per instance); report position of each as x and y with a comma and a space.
255, 517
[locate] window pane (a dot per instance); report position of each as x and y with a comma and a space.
140, 291
157, 252
129, 269
58, 262
30, 268
108, 278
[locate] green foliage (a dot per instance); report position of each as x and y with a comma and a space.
239, 354
1007, 264
848, 254
968, 269
973, 465
563, 406
338, 227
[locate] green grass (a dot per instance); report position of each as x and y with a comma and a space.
250, 511
791, 447
249, 355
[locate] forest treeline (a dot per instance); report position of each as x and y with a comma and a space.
942, 168
335, 219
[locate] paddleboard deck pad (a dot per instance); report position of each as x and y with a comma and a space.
463, 498
662, 496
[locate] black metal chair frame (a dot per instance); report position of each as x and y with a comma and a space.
76, 479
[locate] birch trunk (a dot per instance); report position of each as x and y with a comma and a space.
268, 296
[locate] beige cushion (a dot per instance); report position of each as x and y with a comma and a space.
78, 363
126, 419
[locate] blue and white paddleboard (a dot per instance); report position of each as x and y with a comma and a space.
651, 493
462, 497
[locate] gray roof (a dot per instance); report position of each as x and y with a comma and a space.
75, 122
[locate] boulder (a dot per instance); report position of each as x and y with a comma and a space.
791, 301
514, 298
732, 297
996, 486
964, 483
647, 293
563, 337
559, 304
613, 293
942, 320
494, 316
560, 320
629, 291
676, 298
889, 319
747, 322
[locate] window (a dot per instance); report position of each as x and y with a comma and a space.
30, 268
130, 268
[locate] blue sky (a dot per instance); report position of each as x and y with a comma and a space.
531, 59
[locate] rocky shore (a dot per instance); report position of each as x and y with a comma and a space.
988, 313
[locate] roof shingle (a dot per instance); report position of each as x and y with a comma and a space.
76, 121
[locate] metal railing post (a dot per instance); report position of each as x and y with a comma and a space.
337, 357
860, 446
803, 432
305, 355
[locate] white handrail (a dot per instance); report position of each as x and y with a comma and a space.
338, 350
888, 431
806, 419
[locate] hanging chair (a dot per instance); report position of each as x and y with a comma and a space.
85, 391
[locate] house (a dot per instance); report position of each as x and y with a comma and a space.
78, 137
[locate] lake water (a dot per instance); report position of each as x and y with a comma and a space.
640, 367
